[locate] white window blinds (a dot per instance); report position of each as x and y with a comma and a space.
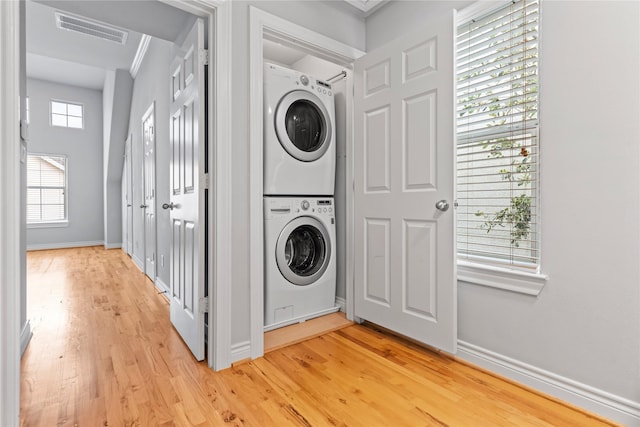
46, 188
497, 136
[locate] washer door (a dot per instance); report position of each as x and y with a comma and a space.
303, 125
303, 251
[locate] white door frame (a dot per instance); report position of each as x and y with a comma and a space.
219, 22
10, 274
263, 24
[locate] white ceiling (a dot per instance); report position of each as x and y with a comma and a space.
81, 60
66, 57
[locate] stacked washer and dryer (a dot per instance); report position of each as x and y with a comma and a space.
299, 211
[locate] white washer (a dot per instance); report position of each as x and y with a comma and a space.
300, 259
299, 134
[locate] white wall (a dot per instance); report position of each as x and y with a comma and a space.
328, 18
585, 325
83, 148
152, 84
399, 17
116, 105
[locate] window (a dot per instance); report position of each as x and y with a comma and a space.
497, 137
66, 114
46, 188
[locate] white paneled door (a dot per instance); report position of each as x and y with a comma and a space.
128, 172
187, 190
149, 206
404, 177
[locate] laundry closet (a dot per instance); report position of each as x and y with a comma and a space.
304, 178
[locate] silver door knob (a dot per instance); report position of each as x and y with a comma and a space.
442, 205
144, 206
169, 205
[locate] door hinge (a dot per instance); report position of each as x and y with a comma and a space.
204, 56
204, 305
204, 181
24, 130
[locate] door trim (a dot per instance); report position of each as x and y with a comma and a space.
10, 274
261, 25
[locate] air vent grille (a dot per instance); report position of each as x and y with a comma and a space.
92, 28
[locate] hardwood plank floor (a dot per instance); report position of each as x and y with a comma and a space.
104, 354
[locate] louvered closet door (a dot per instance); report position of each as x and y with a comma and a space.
187, 195
404, 145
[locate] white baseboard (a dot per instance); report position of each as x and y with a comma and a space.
112, 245
138, 262
25, 337
63, 245
342, 303
598, 401
161, 286
240, 351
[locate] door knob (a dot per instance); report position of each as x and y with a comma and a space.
169, 206
442, 205
144, 206
128, 205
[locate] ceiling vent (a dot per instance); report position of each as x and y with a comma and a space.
82, 25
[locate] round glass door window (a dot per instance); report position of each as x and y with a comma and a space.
303, 125
303, 251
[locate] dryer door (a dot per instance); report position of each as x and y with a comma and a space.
303, 125
303, 251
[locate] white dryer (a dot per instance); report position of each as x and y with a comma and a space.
300, 259
299, 134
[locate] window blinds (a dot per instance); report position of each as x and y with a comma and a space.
497, 136
46, 182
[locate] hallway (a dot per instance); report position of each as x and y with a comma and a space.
104, 353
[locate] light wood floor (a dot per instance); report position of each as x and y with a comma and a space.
299, 332
104, 354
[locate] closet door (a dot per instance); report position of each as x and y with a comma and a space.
404, 179
188, 302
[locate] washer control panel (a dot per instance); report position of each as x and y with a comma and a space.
313, 206
320, 206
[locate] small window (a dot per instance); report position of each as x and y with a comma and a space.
46, 188
67, 114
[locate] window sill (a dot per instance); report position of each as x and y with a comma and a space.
502, 278
57, 224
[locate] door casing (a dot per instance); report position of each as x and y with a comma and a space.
264, 25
